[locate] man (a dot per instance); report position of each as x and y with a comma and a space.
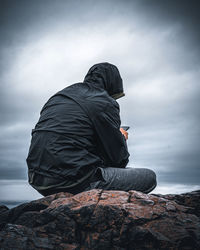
78, 144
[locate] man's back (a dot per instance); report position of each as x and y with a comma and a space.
63, 137
78, 131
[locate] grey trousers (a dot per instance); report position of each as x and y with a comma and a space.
139, 179
125, 179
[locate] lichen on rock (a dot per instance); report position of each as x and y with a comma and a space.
100, 219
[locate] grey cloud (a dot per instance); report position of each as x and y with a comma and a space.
14, 143
16, 107
23, 21
164, 130
14, 172
180, 12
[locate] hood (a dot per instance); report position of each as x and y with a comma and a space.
106, 76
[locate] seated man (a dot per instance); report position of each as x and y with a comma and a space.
78, 144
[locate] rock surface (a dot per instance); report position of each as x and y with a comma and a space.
100, 219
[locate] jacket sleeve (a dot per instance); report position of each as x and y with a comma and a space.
111, 143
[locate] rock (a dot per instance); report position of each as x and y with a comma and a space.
100, 219
191, 199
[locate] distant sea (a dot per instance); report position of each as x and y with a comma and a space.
11, 204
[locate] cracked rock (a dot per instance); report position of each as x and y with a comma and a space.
99, 219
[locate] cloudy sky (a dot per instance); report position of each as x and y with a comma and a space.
47, 45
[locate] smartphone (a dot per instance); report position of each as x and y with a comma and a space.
125, 127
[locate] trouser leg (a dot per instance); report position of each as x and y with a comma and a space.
139, 179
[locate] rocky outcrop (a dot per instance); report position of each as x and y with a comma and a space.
100, 219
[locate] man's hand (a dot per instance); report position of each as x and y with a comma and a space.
125, 133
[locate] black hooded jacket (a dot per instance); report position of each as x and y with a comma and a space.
78, 130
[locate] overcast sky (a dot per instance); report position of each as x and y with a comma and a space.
47, 45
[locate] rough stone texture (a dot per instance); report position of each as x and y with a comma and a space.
100, 219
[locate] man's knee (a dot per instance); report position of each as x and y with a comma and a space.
152, 182
153, 176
